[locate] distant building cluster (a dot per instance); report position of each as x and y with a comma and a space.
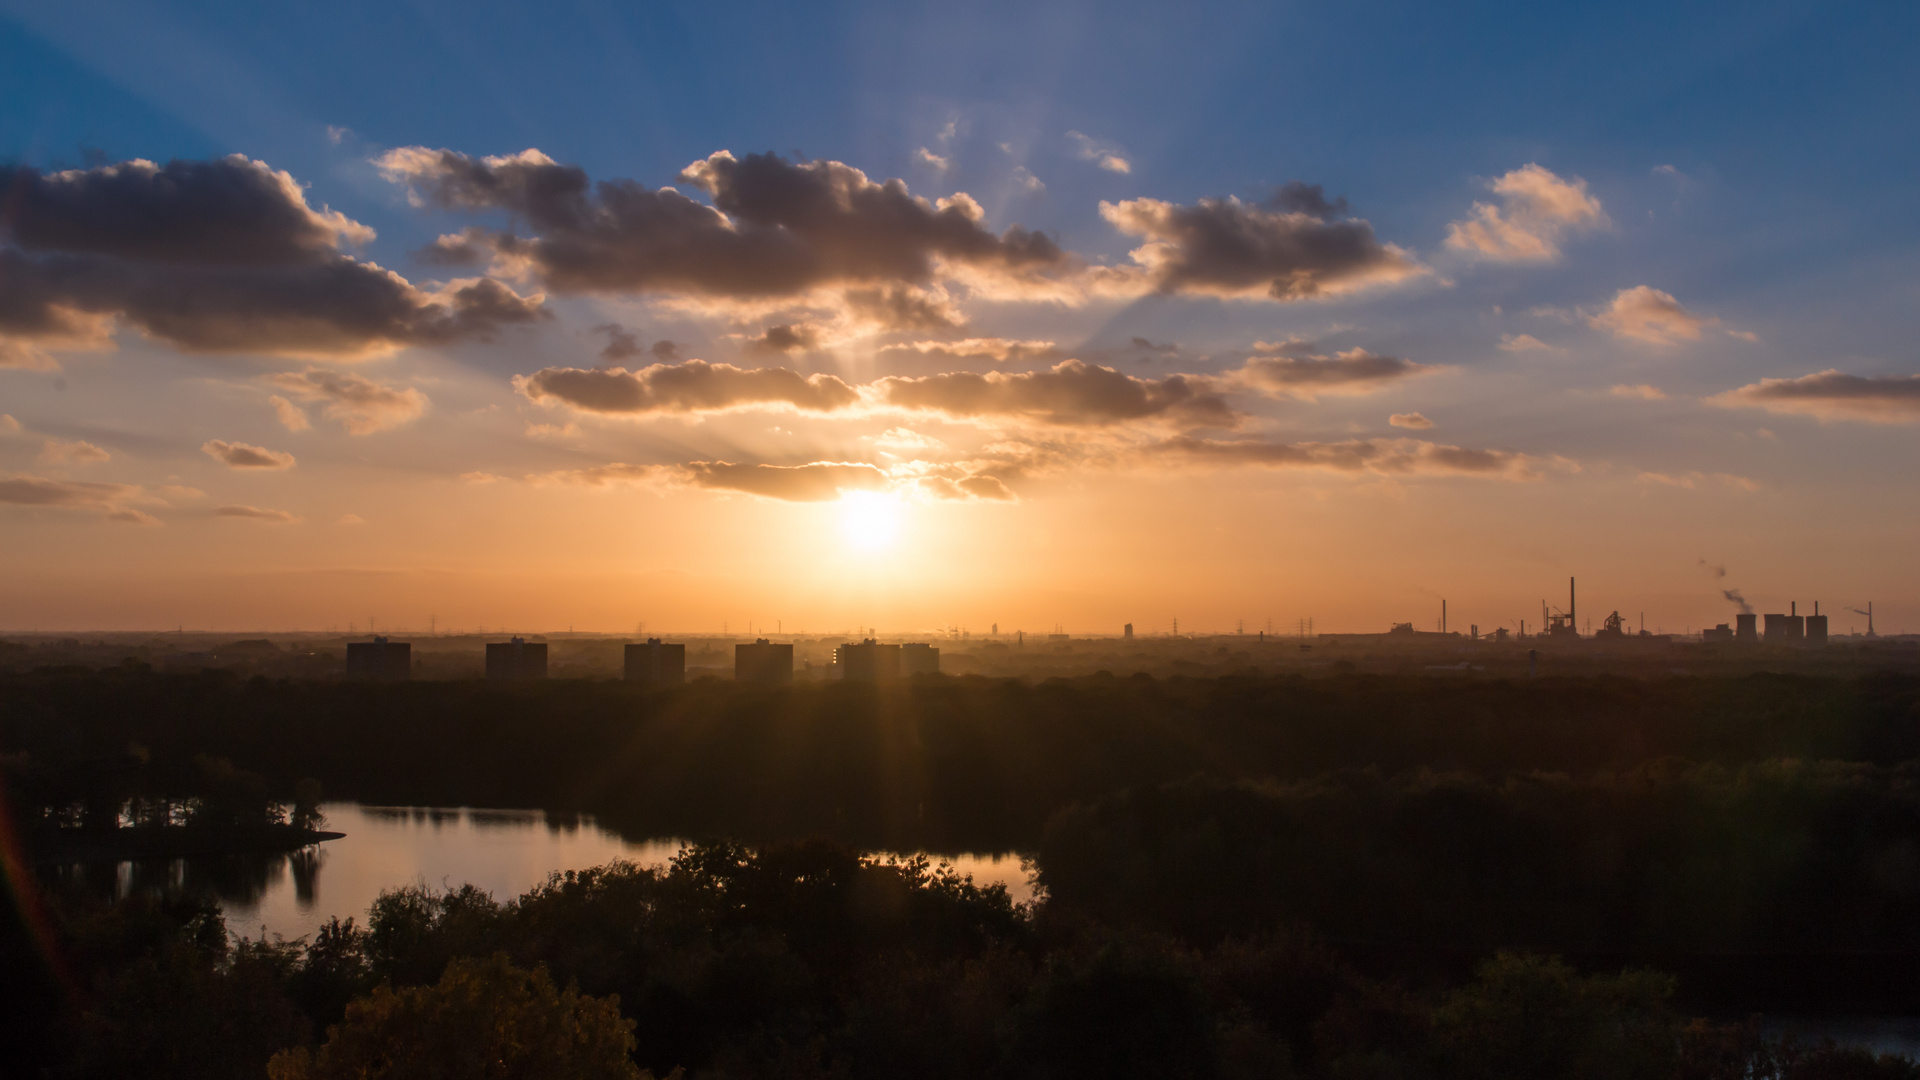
760, 662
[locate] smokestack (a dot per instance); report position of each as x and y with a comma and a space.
1570, 607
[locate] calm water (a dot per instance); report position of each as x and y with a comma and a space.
504, 852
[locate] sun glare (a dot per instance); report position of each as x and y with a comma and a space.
870, 520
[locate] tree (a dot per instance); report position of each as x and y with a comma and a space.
484, 1020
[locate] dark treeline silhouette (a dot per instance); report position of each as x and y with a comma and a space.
1757, 835
807, 960
938, 763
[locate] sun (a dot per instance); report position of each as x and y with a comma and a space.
870, 520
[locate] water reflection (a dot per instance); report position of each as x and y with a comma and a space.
504, 852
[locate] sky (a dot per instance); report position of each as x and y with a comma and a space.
799, 318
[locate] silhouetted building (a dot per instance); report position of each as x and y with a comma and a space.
1128, 632
1612, 628
919, 658
868, 661
517, 658
391, 661
1723, 632
763, 662
1744, 627
656, 662
1787, 629
1816, 629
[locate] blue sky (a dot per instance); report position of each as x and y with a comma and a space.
1754, 164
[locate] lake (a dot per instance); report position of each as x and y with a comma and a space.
503, 852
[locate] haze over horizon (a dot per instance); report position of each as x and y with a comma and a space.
920, 317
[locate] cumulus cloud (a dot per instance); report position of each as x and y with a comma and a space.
1355, 371
1411, 420
245, 456
614, 474
1071, 393
291, 416
1104, 155
694, 386
8, 424
255, 513
1392, 457
211, 256
1225, 247
357, 403
72, 452
1024, 179
1652, 317
1526, 343
1536, 210
1833, 395
776, 228
932, 160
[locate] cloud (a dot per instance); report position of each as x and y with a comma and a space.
211, 256
75, 452
776, 228
8, 424
1298, 197
1537, 210
967, 351
1072, 393
1833, 395
927, 157
820, 481
694, 386
357, 403
1411, 420
291, 416
23, 490
1526, 343
1641, 391
350, 519
896, 307
1355, 371
24, 356
1105, 156
255, 513
129, 516
787, 338
244, 456
1392, 457
1692, 480
624, 344
1224, 247
1024, 179
1652, 317
616, 474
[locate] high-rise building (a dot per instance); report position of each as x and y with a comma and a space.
868, 661
1128, 632
763, 662
517, 658
919, 658
389, 661
656, 662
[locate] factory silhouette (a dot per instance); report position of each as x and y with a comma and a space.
768, 663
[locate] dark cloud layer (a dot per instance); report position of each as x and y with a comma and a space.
1225, 247
220, 256
693, 386
1072, 393
1835, 395
776, 228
